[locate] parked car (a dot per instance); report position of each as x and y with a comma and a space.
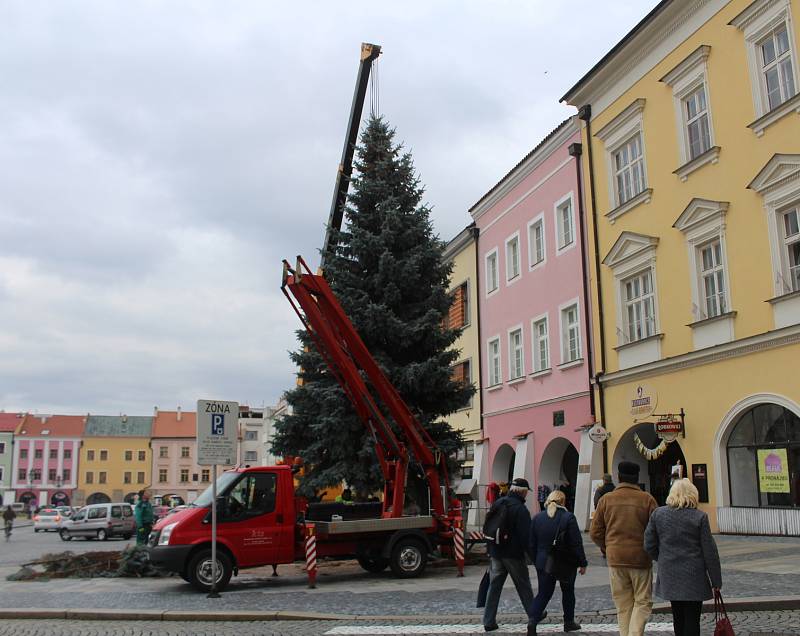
19, 507
47, 519
100, 521
66, 511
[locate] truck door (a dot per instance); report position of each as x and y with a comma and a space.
250, 521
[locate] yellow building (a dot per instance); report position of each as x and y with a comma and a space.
460, 251
692, 170
115, 459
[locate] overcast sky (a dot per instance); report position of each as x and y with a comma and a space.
159, 159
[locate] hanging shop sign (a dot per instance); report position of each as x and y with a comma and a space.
644, 401
669, 429
598, 434
773, 470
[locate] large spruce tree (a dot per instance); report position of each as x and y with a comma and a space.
388, 273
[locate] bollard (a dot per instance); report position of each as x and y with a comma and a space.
458, 540
311, 555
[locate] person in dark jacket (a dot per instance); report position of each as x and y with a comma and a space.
544, 528
509, 558
678, 536
603, 489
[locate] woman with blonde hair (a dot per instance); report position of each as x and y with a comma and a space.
546, 527
678, 536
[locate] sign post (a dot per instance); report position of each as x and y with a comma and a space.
217, 424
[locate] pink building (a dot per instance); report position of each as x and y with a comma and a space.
533, 322
46, 458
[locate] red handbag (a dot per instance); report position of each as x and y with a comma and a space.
722, 624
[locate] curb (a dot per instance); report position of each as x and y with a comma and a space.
750, 604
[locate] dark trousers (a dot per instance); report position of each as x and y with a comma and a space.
142, 533
499, 569
547, 585
686, 617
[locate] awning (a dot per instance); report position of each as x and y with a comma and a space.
465, 488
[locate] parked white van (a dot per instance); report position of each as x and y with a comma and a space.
100, 521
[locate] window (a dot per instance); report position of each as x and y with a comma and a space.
639, 311
163, 452
90, 478
205, 475
51, 474
791, 242
162, 475
67, 453
127, 511
90, 455
22, 475
470, 452
698, 131
777, 76
36, 474
565, 223
53, 453
128, 455
126, 477
629, 169
2, 448
495, 376
251, 456
541, 345
37, 453
512, 257
65, 475
140, 477
184, 475
98, 512
458, 314
570, 334
142, 455
101, 478
536, 245
491, 272
184, 451
467, 472
251, 436
712, 279
253, 495
516, 362
23, 453
462, 374
116, 512
103, 455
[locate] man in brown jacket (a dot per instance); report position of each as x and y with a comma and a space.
618, 528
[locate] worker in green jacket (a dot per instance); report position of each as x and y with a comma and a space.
143, 513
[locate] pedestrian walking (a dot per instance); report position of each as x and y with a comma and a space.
547, 540
603, 489
679, 538
8, 520
542, 493
507, 551
143, 514
618, 529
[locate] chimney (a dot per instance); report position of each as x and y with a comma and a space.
178, 415
155, 411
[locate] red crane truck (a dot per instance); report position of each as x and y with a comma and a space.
263, 521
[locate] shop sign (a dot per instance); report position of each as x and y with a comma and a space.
644, 401
669, 429
773, 470
598, 434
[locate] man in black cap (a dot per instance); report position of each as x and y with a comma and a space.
507, 555
618, 528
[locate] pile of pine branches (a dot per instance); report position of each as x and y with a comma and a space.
134, 561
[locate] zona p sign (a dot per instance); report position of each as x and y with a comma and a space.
217, 428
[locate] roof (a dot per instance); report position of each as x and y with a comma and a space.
10, 421
52, 426
118, 426
617, 48
167, 424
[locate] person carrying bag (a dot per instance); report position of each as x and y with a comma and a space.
557, 548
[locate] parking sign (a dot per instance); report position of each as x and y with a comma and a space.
217, 423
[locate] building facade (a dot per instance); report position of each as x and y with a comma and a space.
8, 424
176, 478
115, 459
271, 416
692, 121
45, 459
533, 320
251, 435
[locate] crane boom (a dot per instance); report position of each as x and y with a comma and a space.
369, 53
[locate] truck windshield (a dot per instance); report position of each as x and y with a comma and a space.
224, 480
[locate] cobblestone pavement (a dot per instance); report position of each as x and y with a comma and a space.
778, 622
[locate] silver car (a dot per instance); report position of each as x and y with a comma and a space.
100, 521
47, 519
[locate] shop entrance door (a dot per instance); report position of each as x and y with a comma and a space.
660, 471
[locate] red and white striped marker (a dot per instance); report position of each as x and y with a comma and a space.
311, 555
458, 540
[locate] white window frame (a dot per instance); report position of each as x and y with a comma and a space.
493, 253
640, 300
513, 352
537, 220
721, 304
614, 135
492, 380
756, 22
564, 335
787, 241
557, 208
538, 367
511, 279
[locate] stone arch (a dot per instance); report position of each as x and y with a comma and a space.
503, 464
558, 467
98, 498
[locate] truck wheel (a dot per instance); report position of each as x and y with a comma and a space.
372, 564
409, 558
102, 535
199, 570
65, 536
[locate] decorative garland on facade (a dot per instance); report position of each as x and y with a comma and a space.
650, 453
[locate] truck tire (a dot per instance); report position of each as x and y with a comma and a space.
199, 570
65, 535
409, 558
372, 564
